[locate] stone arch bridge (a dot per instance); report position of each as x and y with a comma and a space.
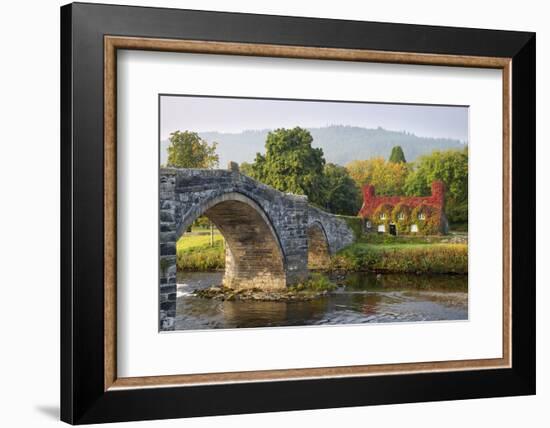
271, 237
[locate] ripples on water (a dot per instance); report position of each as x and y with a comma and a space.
361, 298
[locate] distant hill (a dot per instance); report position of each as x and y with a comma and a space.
340, 144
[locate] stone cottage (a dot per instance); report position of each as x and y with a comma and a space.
422, 215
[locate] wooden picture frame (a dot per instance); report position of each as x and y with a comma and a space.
91, 390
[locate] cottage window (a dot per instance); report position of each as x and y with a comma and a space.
401, 216
369, 224
383, 216
421, 216
381, 228
414, 228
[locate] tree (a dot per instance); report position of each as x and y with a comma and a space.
188, 150
397, 155
291, 164
246, 169
342, 196
451, 167
388, 178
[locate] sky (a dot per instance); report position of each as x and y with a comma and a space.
203, 114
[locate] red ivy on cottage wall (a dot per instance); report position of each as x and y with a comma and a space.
432, 208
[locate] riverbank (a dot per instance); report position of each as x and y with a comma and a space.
437, 257
198, 251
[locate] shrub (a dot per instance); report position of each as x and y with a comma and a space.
315, 282
430, 258
434, 259
355, 224
355, 258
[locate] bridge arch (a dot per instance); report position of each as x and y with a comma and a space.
254, 256
318, 253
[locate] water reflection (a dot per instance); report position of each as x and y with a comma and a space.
365, 281
361, 298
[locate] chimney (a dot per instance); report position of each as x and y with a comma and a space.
368, 195
233, 166
438, 192
368, 192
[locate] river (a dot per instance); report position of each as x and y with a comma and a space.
362, 297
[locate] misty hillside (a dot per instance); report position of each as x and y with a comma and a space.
340, 144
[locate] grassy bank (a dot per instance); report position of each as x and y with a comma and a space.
373, 252
195, 253
405, 257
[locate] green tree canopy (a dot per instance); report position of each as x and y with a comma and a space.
388, 178
342, 196
188, 150
397, 155
291, 164
451, 167
247, 169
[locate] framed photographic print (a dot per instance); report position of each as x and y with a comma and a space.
265, 213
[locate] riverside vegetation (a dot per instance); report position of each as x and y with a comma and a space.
383, 253
197, 251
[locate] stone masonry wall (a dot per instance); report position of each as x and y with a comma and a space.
167, 263
318, 254
337, 231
